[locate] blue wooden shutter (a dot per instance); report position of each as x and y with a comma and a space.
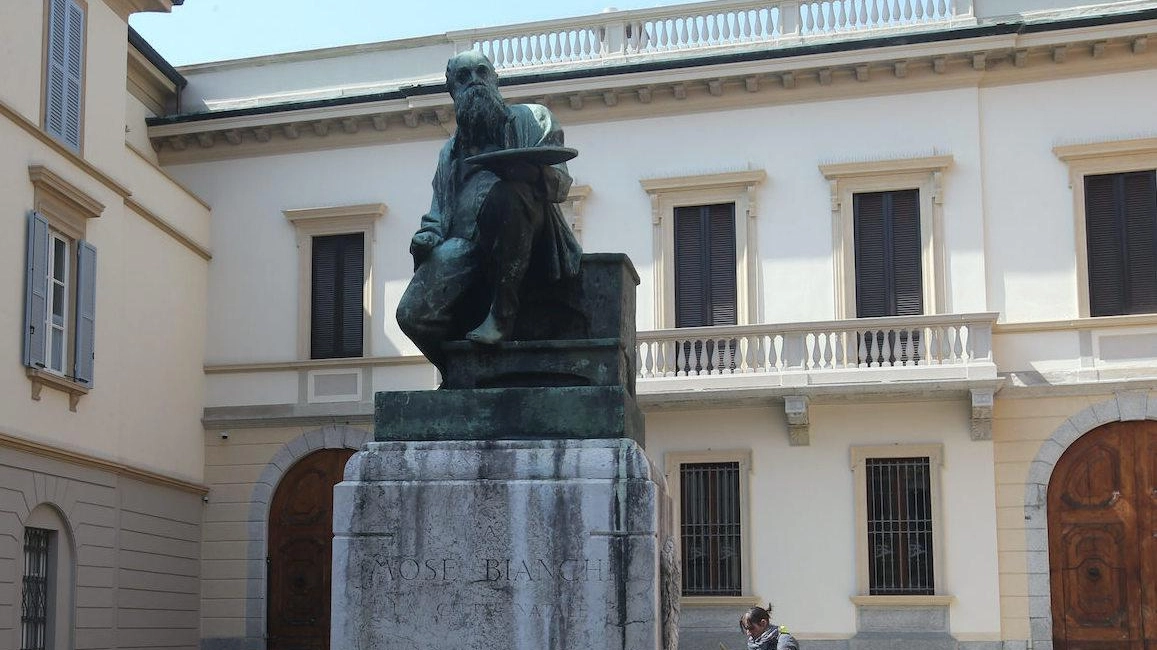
36, 294
85, 312
65, 69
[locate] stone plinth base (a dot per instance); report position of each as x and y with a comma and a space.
503, 545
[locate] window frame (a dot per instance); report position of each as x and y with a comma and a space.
669, 193
46, 63
673, 462
924, 174
1106, 157
67, 208
335, 220
859, 456
61, 624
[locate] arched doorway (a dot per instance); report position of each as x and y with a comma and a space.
300, 542
1102, 533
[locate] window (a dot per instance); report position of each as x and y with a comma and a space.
64, 72
335, 265
60, 288
898, 519
706, 263
710, 490
1121, 240
336, 289
37, 594
888, 269
888, 236
1114, 216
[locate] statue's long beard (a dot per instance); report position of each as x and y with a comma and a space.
481, 116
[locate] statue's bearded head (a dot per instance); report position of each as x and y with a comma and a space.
478, 106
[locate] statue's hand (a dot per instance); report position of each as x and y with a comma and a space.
420, 246
520, 172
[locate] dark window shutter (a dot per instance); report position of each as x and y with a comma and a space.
705, 283
336, 291
889, 271
1121, 242
85, 312
65, 67
36, 293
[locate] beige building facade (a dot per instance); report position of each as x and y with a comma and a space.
105, 276
896, 327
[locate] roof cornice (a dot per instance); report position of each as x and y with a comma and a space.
988, 55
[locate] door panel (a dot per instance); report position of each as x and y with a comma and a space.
1101, 514
300, 545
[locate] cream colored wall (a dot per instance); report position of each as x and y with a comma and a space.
21, 34
1019, 428
810, 583
136, 133
145, 407
1027, 195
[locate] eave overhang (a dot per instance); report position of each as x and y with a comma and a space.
984, 55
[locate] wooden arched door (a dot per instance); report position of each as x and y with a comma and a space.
300, 544
1102, 513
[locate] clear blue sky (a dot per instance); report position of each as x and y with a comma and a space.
215, 30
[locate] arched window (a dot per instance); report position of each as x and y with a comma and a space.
48, 580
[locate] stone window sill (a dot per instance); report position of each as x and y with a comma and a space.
903, 601
721, 601
42, 378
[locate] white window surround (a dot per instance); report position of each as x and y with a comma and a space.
67, 209
572, 209
706, 189
923, 174
1112, 157
859, 457
673, 461
335, 220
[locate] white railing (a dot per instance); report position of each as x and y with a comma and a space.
896, 342
698, 26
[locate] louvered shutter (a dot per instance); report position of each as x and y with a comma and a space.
705, 284
85, 312
36, 293
65, 69
889, 272
720, 222
1121, 242
336, 290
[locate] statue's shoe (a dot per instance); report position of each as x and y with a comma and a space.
488, 333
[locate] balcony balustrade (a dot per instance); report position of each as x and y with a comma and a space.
860, 351
701, 27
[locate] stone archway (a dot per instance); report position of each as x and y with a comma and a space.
329, 437
1124, 407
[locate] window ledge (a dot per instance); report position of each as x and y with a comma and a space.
720, 601
42, 378
903, 601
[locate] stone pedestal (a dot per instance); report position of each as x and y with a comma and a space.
498, 545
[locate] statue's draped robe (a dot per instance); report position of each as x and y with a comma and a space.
460, 189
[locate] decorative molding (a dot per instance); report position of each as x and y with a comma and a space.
924, 173
76, 199
169, 229
738, 188
982, 402
314, 364
1097, 322
35, 131
186, 191
798, 424
315, 215
1105, 157
572, 208
153, 89
42, 378
981, 61
903, 601
125, 8
99, 464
